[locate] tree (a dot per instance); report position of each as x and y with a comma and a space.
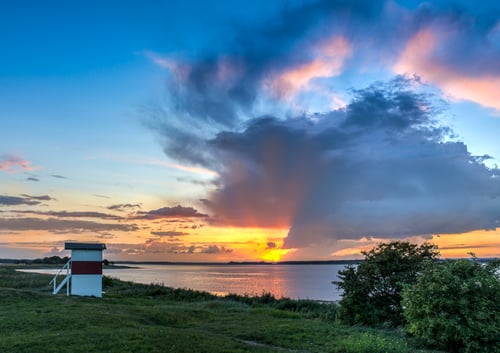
372, 290
455, 306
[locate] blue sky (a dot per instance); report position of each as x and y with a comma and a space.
238, 111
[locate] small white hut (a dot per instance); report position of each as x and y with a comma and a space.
83, 270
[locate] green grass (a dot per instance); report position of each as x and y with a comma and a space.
151, 318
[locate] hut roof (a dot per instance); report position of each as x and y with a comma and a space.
84, 246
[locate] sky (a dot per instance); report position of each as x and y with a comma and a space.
230, 130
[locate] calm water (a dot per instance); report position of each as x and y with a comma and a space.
293, 281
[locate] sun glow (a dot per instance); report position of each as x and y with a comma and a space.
274, 255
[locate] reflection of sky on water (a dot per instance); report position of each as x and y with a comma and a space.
293, 281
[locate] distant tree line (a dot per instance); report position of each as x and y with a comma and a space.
54, 260
51, 260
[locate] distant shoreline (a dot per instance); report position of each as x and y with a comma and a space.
122, 264
238, 263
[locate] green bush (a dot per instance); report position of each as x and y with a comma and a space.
372, 290
455, 305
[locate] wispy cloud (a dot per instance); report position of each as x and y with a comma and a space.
71, 214
170, 212
23, 200
10, 163
38, 198
102, 196
55, 225
124, 207
168, 233
15, 200
158, 247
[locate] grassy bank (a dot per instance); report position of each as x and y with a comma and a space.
141, 318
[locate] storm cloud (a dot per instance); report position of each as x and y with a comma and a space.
380, 165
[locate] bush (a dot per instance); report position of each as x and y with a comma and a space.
455, 305
372, 290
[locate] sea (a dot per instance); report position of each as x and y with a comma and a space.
295, 281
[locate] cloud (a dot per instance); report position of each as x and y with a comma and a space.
14, 200
10, 163
169, 234
271, 245
462, 80
380, 166
38, 198
170, 212
221, 90
55, 225
154, 246
214, 249
32, 179
124, 206
23, 200
327, 61
72, 214
57, 176
102, 196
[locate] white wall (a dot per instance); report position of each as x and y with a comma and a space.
86, 255
86, 285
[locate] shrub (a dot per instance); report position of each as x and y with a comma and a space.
455, 305
372, 290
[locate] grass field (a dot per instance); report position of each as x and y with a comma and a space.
149, 318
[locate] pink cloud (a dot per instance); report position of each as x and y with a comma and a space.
420, 57
328, 60
14, 164
181, 70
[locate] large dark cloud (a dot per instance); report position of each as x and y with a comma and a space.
219, 90
382, 166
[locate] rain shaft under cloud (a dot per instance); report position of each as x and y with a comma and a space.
382, 165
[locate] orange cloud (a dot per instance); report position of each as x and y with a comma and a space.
480, 242
419, 57
328, 61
